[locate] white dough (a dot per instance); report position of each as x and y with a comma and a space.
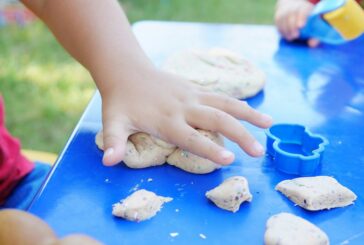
144, 150
139, 206
193, 163
288, 229
218, 69
231, 193
316, 193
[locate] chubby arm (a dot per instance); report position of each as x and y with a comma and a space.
135, 95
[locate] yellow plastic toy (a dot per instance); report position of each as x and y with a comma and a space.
348, 20
335, 21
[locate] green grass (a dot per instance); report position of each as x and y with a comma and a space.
228, 11
46, 91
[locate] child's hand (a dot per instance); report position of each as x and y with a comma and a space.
291, 16
169, 107
136, 96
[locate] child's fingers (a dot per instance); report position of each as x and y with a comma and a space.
191, 140
303, 13
313, 43
293, 32
283, 27
302, 16
115, 138
237, 108
209, 118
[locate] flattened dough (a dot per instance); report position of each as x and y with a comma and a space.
193, 163
288, 229
316, 193
139, 206
143, 150
218, 69
231, 193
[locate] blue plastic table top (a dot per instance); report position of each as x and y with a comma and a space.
321, 88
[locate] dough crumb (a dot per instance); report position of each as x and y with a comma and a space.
139, 206
288, 229
316, 193
202, 236
231, 193
174, 234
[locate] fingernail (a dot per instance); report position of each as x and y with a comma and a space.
258, 148
108, 152
226, 154
266, 118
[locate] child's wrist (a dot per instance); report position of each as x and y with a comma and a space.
118, 77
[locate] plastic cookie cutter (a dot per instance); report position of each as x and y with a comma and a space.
334, 22
294, 149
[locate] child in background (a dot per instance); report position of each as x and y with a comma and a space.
20, 179
291, 16
135, 95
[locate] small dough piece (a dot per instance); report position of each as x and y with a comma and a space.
220, 70
139, 206
142, 150
316, 193
193, 163
288, 229
231, 193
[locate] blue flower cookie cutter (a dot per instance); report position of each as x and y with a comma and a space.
294, 149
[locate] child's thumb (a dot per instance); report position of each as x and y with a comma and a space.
114, 145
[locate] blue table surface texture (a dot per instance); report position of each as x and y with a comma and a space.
321, 88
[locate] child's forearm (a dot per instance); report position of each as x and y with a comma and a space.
136, 96
96, 33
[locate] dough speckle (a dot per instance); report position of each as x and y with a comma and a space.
316, 193
139, 206
231, 193
220, 70
288, 229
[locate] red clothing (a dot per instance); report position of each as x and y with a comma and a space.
13, 166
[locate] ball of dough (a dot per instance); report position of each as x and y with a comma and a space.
142, 150
316, 193
193, 163
139, 206
231, 193
288, 229
218, 69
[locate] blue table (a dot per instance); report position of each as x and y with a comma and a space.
321, 88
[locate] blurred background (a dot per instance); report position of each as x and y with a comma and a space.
46, 91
